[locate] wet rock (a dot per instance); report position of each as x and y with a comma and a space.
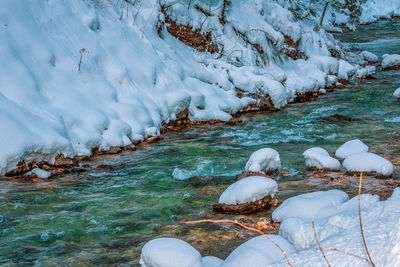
251, 173
105, 167
153, 139
246, 208
114, 150
337, 118
61, 160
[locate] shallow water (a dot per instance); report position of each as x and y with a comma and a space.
103, 217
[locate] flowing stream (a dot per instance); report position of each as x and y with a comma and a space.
103, 217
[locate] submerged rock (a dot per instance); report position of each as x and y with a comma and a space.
337, 117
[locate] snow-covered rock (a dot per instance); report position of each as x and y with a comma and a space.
169, 252
264, 160
351, 147
368, 162
211, 261
248, 189
310, 206
346, 70
391, 61
369, 57
365, 72
259, 252
319, 158
40, 173
396, 93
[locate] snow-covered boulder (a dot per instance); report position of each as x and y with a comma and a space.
396, 93
248, 189
39, 173
368, 162
319, 158
310, 206
366, 73
351, 147
169, 252
211, 261
346, 70
391, 62
369, 57
248, 195
264, 160
259, 252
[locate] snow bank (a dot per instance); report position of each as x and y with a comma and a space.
374, 10
264, 160
258, 252
396, 93
351, 147
169, 252
40, 173
248, 189
368, 162
346, 70
341, 231
369, 57
390, 61
319, 158
133, 78
310, 206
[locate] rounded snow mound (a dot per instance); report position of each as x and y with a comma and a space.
310, 206
351, 147
396, 93
40, 173
264, 160
368, 162
248, 189
390, 61
211, 261
369, 57
319, 158
258, 252
169, 252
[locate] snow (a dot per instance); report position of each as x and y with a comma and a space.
310, 206
319, 158
258, 252
248, 189
40, 173
169, 252
396, 93
390, 61
211, 261
263, 160
350, 147
346, 70
366, 71
374, 10
369, 57
368, 162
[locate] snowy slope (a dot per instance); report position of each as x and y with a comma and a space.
131, 80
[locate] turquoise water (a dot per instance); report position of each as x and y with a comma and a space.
103, 217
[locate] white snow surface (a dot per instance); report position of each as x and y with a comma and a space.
310, 206
211, 261
248, 189
40, 173
396, 93
368, 162
319, 158
366, 71
390, 61
340, 230
351, 147
131, 80
169, 252
369, 56
258, 252
263, 160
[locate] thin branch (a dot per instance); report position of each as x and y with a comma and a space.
323, 13
319, 246
359, 216
245, 227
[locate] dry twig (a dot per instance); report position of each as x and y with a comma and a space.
319, 246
